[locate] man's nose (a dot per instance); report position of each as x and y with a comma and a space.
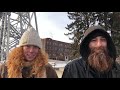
99, 44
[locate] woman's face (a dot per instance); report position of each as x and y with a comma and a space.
30, 52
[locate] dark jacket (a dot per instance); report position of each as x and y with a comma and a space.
50, 72
80, 69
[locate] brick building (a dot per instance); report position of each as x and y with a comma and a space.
56, 50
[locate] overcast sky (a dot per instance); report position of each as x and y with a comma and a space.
52, 25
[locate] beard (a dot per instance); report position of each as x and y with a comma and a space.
100, 60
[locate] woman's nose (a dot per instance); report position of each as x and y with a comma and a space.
31, 49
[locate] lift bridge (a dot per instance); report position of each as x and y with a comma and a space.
12, 26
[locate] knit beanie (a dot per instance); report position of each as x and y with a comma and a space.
30, 37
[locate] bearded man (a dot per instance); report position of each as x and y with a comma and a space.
98, 55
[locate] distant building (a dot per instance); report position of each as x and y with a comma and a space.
56, 50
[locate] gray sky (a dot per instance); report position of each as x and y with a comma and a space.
52, 25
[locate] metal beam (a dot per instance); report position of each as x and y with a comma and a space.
13, 25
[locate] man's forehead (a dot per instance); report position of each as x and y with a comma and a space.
99, 37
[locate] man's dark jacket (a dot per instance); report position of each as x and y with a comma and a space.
80, 69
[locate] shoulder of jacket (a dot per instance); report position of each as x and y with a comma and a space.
48, 66
50, 71
75, 61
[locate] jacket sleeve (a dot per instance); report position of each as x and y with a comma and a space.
51, 73
67, 72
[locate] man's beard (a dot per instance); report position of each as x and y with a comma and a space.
100, 60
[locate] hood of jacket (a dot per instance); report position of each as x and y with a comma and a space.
90, 34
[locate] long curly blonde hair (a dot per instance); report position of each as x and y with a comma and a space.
16, 62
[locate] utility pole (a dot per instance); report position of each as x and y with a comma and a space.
12, 26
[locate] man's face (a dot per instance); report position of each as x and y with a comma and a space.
99, 58
30, 52
97, 42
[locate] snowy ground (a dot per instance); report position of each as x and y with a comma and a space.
58, 66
